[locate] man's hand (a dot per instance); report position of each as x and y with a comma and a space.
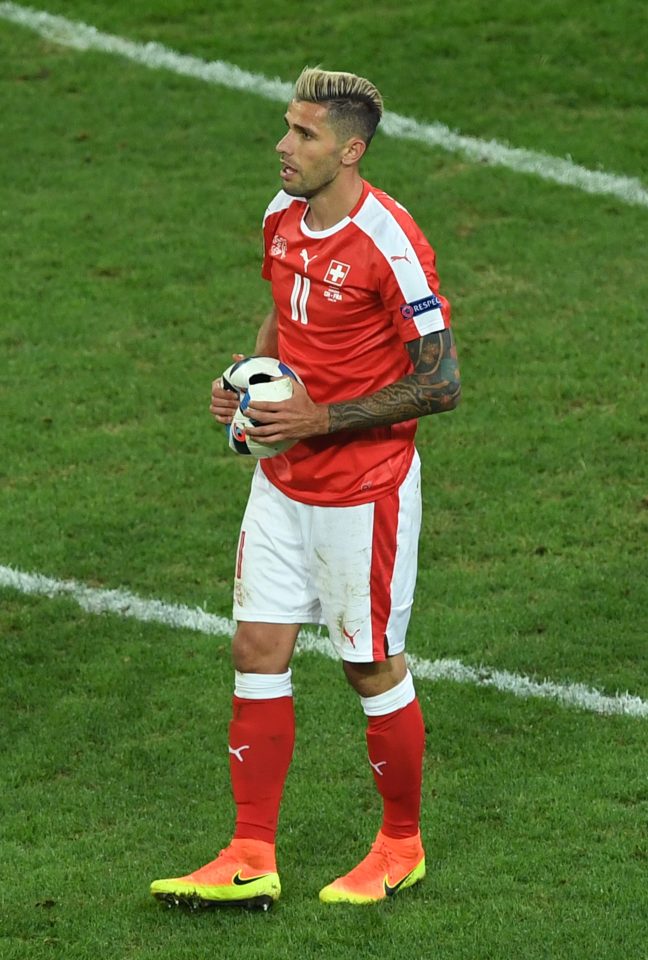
293, 419
224, 402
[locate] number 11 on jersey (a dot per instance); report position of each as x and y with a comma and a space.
298, 298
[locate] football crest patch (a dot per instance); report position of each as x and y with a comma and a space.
337, 273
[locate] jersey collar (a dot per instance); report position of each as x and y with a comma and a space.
340, 225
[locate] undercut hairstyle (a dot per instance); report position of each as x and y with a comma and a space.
355, 105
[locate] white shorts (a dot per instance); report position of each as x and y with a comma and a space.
351, 568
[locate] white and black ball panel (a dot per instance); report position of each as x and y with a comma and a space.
256, 378
241, 374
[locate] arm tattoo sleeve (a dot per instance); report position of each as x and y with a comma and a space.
432, 387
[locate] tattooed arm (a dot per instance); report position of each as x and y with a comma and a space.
432, 387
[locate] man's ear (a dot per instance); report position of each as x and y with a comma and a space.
353, 151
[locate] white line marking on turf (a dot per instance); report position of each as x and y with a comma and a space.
81, 36
127, 604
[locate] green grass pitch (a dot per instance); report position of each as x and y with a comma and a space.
130, 210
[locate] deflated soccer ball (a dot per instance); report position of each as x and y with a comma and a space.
254, 378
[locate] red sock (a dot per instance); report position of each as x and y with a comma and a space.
261, 741
396, 742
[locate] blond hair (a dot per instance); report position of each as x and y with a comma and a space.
355, 105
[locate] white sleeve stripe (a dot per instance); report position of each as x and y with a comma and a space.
280, 202
396, 247
430, 322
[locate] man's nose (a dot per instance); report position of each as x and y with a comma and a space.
284, 144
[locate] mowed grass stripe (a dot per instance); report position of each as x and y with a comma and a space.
81, 36
177, 616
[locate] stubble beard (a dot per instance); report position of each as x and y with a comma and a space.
308, 192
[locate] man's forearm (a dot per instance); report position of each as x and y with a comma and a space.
404, 400
434, 387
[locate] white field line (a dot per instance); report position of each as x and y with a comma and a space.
83, 37
80, 36
126, 604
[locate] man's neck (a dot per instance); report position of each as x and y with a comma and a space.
334, 203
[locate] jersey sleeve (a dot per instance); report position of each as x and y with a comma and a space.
405, 265
409, 290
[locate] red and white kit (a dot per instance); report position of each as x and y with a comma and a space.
332, 537
351, 568
348, 300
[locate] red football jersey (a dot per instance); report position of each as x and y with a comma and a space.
348, 299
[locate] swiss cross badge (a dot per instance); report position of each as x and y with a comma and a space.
337, 273
279, 246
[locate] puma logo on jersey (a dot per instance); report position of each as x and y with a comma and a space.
403, 257
304, 255
236, 751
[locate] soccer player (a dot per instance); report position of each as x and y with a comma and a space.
331, 528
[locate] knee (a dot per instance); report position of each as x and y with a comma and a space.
263, 648
372, 679
249, 651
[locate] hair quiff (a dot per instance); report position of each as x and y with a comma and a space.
355, 105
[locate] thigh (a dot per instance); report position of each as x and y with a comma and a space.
272, 582
364, 564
